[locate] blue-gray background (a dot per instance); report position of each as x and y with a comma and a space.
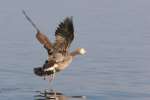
115, 33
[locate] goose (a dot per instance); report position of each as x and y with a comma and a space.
59, 56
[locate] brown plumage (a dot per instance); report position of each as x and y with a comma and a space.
59, 56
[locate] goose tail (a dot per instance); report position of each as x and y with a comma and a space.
39, 71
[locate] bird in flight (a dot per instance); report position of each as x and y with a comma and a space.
59, 56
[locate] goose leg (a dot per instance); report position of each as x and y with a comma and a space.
44, 77
54, 73
50, 79
52, 76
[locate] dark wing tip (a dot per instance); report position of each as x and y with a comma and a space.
69, 24
65, 28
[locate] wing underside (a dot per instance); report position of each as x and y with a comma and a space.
43, 39
64, 34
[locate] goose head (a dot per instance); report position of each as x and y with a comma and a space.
81, 51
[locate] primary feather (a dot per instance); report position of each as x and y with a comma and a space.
64, 35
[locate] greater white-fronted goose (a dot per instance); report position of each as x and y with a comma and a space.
59, 56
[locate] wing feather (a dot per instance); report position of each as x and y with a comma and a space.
64, 34
43, 39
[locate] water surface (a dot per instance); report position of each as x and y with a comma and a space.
115, 33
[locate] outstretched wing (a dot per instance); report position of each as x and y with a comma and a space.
43, 39
64, 35
40, 36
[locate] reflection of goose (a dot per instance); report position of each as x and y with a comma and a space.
53, 95
59, 56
